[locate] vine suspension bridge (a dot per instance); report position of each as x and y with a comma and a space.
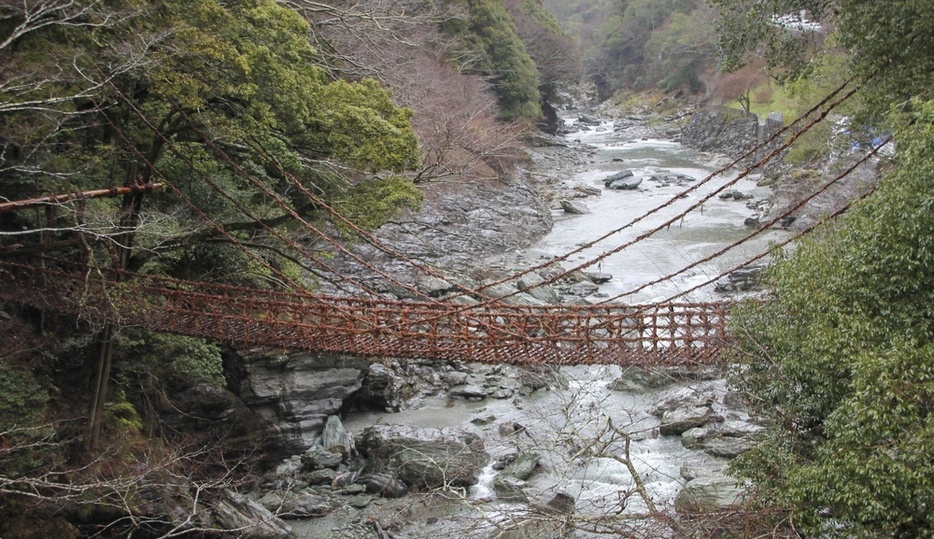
497, 333
367, 325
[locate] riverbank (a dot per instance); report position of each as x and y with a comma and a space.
625, 452
614, 449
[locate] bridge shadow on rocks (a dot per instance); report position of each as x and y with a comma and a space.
491, 332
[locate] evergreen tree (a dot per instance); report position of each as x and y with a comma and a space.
514, 73
841, 357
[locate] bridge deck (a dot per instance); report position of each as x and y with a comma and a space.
674, 333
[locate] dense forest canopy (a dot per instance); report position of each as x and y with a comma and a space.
643, 44
276, 129
840, 356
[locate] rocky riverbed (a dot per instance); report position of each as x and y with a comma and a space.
405, 449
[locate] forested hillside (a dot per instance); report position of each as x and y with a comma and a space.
255, 143
642, 44
253, 137
839, 358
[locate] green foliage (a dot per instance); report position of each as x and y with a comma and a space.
813, 147
226, 102
626, 59
23, 400
183, 361
506, 59
882, 40
542, 16
375, 201
24, 404
362, 126
842, 359
121, 416
681, 50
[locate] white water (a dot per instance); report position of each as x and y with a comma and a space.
702, 232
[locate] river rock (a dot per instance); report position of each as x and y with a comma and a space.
587, 191
531, 283
675, 422
621, 175
336, 439
359, 501
535, 378
527, 300
296, 504
509, 488
381, 388
545, 521
722, 131
726, 446
203, 407
693, 437
318, 458
709, 494
248, 519
161, 498
574, 207
435, 286
383, 484
424, 458
586, 119
392, 385
295, 394
455, 378
470, 392
740, 280
324, 476
624, 180
523, 466
511, 294
597, 277
583, 289
733, 194
742, 427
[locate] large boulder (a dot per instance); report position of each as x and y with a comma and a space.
531, 283
337, 439
549, 520
296, 393
546, 376
424, 458
574, 207
624, 180
202, 408
248, 519
523, 466
709, 493
297, 504
674, 422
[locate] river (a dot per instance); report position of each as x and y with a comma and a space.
569, 426
697, 235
